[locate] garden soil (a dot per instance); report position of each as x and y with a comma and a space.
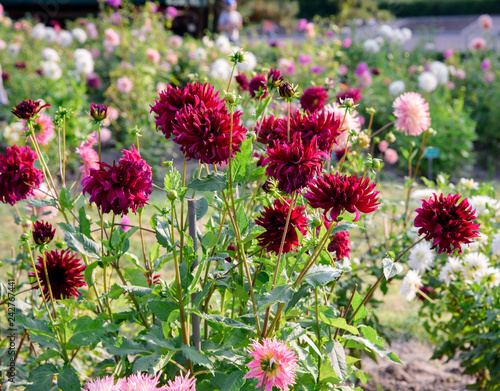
419, 373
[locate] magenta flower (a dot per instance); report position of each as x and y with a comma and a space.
352, 93
340, 245
114, 3
412, 113
485, 64
242, 81
314, 99
171, 12
257, 83
181, 383
274, 364
43, 232
43, 128
28, 109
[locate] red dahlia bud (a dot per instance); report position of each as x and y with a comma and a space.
43, 232
27, 109
98, 112
274, 78
286, 90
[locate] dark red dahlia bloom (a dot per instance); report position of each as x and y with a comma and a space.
274, 78
28, 109
20, 65
65, 274
98, 112
93, 80
267, 130
339, 154
242, 81
43, 232
324, 126
120, 187
18, 175
205, 133
257, 82
352, 93
294, 164
447, 222
338, 193
174, 99
340, 245
314, 98
273, 219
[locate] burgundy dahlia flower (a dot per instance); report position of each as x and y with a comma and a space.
447, 222
352, 93
294, 164
338, 193
314, 98
340, 245
174, 99
205, 133
274, 78
242, 81
28, 109
18, 175
267, 130
43, 232
65, 274
120, 187
273, 219
255, 84
98, 112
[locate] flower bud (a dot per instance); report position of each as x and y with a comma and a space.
43, 232
172, 195
315, 222
286, 90
28, 109
230, 98
376, 164
390, 137
363, 140
237, 57
269, 186
274, 78
98, 112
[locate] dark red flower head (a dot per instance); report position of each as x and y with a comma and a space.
352, 93
322, 125
257, 82
340, 245
267, 130
338, 193
273, 219
20, 65
447, 222
120, 187
98, 112
28, 109
274, 78
43, 232
18, 175
174, 99
294, 164
242, 81
286, 90
205, 133
314, 98
65, 274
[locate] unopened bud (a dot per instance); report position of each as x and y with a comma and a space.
286, 90
269, 186
172, 195
376, 164
238, 57
363, 140
230, 98
390, 137
315, 222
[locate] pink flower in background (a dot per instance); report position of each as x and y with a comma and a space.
477, 44
305, 59
160, 86
361, 69
391, 156
485, 22
412, 69
286, 66
153, 55
347, 43
450, 85
89, 157
114, 3
351, 122
92, 31
124, 85
105, 135
171, 13
140, 382
112, 36
47, 212
182, 383
447, 53
365, 80
172, 58
460, 74
310, 29
127, 222
113, 113
486, 64
44, 129
175, 41
316, 69
115, 18
383, 145
412, 113
343, 70
489, 77
268, 26
93, 80
330, 34
103, 384
301, 25
274, 364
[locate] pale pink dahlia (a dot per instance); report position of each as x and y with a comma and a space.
412, 113
351, 122
181, 383
89, 157
140, 382
104, 384
43, 128
274, 364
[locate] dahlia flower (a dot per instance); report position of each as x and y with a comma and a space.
120, 187
352, 93
427, 81
89, 157
411, 285
485, 22
173, 100
451, 270
273, 219
181, 383
98, 112
258, 82
43, 232
340, 245
351, 122
18, 175
242, 81
336, 193
274, 364
28, 109
412, 113
478, 43
314, 98
421, 257
294, 164
124, 85
65, 274
140, 382
447, 222
106, 383
267, 130
205, 133
43, 128
274, 78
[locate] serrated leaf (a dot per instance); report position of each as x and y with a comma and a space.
89, 273
65, 198
226, 322
195, 356
41, 378
380, 350
84, 222
86, 331
115, 292
339, 323
241, 161
201, 208
356, 302
163, 233
212, 182
209, 240
122, 346
391, 268
80, 243
68, 380
234, 381
242, 219
321, 274
162, 309
39, 203
336, 355
145, 363
280, 294
46, 356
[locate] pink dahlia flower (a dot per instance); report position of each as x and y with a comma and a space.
391, 156
274, 364
44, 129
124, 85
485, 64
477, 44
412, 113
106, 383
153, 55
447, 53
140, 382
120, 187
340, 245
314, 98
350, 122
89, 157
447, 222
181, 383
112, 36
485, 22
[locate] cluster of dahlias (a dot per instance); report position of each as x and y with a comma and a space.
139, 382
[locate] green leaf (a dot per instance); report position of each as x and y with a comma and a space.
209, 239
86, 331
145, 363
163, 233
391, 268
68, 380
242, 219
380, 350
340, 323
122, 346
212, 182
226, 322
136, 277
89, 273
241, 161
154, 253
201, 208
321, 274
195, 356
234, 381
356, 302
46, 355
256, 174
115, 292
65, 198
162, 309
41, 202
280, 294
256, 231
84, 222
262, 106
172, 180
80, 243
336, 354
41, 378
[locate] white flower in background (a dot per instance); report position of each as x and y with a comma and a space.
84, 62
371, 46
413, 234
469, 184
411, 284
481, 204
50, 35
476, 261
441, 71
430, 46
220, 69
175, 41
49, 54
12, 133
249, 64
38, 31
407, 33
13, 49
51, 70
427, 81
79, 34
3, 45
421, 257
423, 194
480, 241
207, 41
397, 87
65, 38
222, 44
495, 244
451, 270
491, 274
200, 54
398, 37
386, 31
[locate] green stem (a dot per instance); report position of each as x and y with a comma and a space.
318, 329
